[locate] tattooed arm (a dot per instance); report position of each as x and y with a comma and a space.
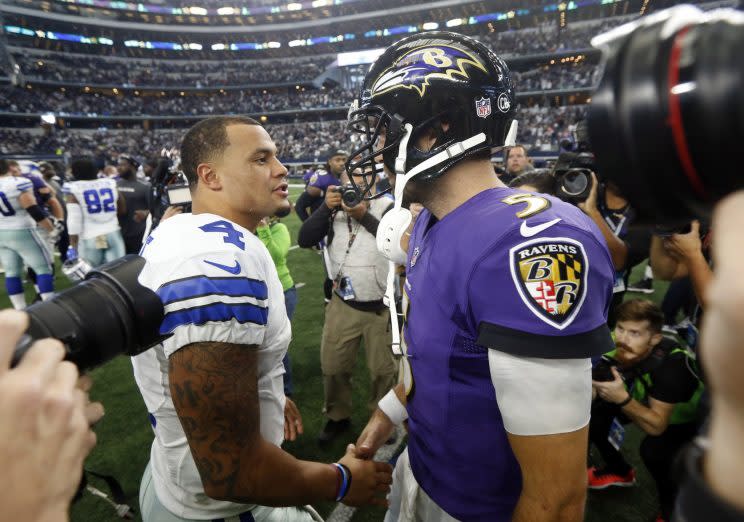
215, 391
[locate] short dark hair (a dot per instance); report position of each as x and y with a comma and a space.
84, 168
641, 310
4, 167
515, 146
205, 140
541, 179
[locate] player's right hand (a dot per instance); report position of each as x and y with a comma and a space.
377, 431
370, 480
333, 198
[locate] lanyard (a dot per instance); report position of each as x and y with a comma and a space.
352, 236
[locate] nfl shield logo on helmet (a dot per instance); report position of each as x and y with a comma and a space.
483, 107
550, 276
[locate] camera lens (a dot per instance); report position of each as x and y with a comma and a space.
668, 116
350, 196
107, 314
575, 182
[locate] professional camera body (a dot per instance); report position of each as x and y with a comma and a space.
668, 114
602, 369
573, 176
169, 187
349, 195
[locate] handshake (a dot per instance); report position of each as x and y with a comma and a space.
371, 479
377, 476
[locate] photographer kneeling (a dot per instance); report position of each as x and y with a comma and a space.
650, 381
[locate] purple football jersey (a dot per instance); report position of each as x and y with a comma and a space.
39, 184
522, 273
323, 179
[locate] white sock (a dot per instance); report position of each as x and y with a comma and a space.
18, 300
649, 273
47, 296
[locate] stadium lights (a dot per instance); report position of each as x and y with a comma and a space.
263, 119
320, 3
274, 45
193, 46
296, 43
218, 47
199, 11
48, 119
294, 6
430, 26
225, 11
455, 22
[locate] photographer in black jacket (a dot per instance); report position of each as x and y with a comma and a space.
604, 202
649, 381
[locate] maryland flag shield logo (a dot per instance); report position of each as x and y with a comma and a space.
550, 275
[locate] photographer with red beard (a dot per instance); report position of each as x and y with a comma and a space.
651, 381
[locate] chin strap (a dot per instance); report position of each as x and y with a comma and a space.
511, 136
396, 221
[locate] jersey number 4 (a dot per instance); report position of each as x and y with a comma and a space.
5, 208
99, 200
232, 236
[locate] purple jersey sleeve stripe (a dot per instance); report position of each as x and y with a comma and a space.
215, 312
519, 343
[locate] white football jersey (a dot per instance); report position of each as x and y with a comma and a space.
218, 284
97, 200
12, 214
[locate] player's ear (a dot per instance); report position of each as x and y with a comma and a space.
208, 176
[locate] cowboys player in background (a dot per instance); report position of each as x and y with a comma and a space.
214, 388
505, 299
20, 241
92, 208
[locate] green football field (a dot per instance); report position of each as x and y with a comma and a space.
124, 434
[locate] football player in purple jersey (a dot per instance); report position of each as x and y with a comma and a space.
504, 304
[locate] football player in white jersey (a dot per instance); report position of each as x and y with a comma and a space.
92, 208
19, 240
214, 388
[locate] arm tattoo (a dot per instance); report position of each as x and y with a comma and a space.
214, 387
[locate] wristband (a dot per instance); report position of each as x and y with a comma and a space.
36, 212
626, 401
345, 474
392, 407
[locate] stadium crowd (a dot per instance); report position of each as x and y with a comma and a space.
540, 127
184, 73
574, 347
229, 102
66, 67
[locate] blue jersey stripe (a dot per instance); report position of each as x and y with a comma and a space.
218, 312
23, 187
200, 286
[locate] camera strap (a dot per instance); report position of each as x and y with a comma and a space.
353, 232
